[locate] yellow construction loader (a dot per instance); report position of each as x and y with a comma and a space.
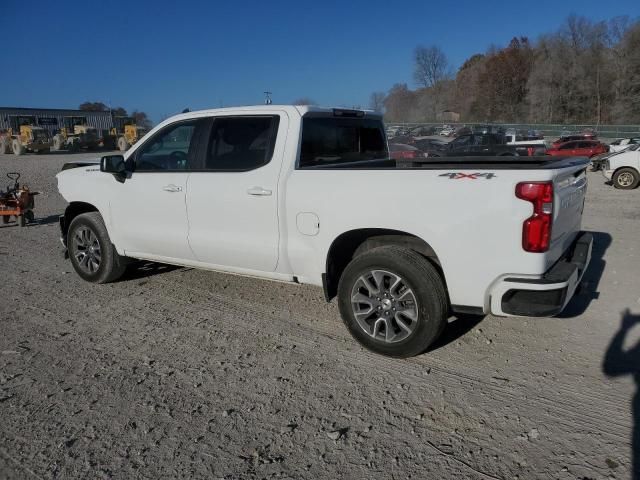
124, 133
76, 134
23, 136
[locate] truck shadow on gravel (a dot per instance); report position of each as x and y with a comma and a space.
458, 327
619, 362
588, 289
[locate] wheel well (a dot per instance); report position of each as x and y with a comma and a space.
355, 242
72, 211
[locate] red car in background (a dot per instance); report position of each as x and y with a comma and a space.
580, 148
577, 136
399, 151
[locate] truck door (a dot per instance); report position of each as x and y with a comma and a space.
233, 201
148, 208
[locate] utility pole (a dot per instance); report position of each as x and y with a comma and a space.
267, 98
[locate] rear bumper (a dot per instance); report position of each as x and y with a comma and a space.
548, 294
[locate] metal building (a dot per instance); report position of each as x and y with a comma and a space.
53, 119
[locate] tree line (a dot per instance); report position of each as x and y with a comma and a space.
587, 72
141, 118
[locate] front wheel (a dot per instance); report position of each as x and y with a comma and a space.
393, 301
58, 143
18, 148
92, 254
626, 178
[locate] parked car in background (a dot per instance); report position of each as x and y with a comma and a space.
422, 131
434, 146
403, 131
574, 137
486, 129
399, 151
623, 143
479, 144
623, 168
447, 131
403, 139
583, 148
462, 131
391, 131
513, 137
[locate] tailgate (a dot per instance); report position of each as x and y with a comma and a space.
569, 187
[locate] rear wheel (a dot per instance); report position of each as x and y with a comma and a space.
4, 145
393, 301
626, 178
92, 254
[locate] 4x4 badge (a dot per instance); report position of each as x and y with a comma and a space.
472, 176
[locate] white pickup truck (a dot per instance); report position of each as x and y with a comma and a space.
309, 195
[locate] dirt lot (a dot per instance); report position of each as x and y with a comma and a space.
174, 372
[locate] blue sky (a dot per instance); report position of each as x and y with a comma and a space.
163, 56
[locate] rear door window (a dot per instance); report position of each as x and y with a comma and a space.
241, 143
338, 141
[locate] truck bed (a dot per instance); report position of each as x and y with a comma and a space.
545, 162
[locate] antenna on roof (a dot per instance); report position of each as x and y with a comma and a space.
267, 98
186, 110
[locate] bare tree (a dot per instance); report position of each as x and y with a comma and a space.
376, 101
431, 66
304, 101
141, 119
93, 107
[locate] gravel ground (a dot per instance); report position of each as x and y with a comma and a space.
175, 373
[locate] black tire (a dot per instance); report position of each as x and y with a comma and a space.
111, 266
626, 178
18, 148
423, 280
29, 216
22, 221
58, 143
5, 219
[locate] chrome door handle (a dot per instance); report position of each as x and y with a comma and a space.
172, 188
258, 191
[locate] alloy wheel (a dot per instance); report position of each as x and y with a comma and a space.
384, 306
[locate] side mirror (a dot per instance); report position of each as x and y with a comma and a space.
113, 164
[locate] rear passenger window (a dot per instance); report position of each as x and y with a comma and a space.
241, 143
335, 141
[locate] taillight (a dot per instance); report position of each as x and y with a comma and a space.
536, 230
408, 154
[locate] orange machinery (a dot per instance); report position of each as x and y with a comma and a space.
17, 202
